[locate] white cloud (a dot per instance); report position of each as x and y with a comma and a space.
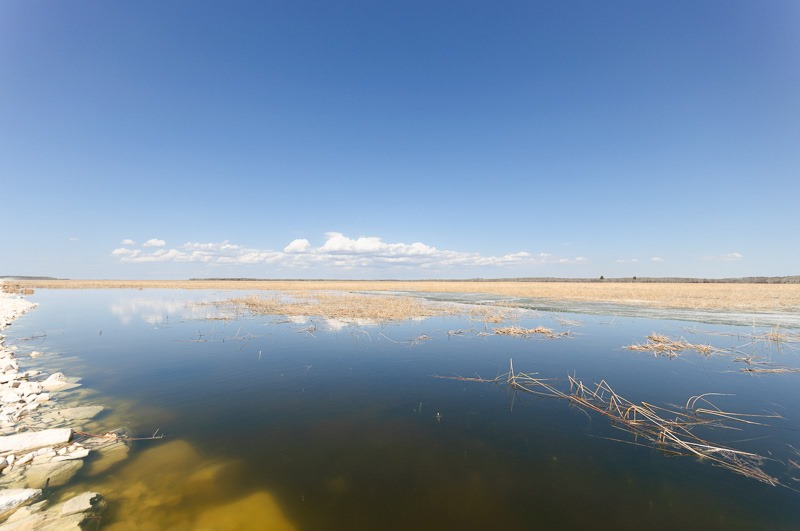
297, 246
74, 239
154, 242
730, 257
123, 252
627, 260
128, 241
656, 259
338, 251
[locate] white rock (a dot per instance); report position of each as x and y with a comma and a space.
56, 382
10, 458
43, 397
77, 454
36, 354
9, 397
33, 440
43, 458
23, 516
25, 459
28, 388
10, 499
81, 503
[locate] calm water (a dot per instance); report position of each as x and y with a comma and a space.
272, 426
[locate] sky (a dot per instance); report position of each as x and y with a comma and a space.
399, 140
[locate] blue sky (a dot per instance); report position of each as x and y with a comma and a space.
414, 139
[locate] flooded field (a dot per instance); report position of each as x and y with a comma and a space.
293, 422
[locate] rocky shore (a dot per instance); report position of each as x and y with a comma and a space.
42, 444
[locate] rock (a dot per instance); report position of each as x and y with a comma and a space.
10, 397
10, 499
24, 513
51, 474
81, 503
65, 523
43, 397
77, 454
34, 440
36, 354
25, 459
80, 413
43, 456
29, 388
55, 382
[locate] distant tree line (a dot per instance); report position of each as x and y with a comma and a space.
677, 280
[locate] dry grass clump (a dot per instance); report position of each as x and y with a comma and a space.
491, 314
529, 332
344, 306
15, 288
661, 345
669, 430
777, 336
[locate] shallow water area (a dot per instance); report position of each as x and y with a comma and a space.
303, 423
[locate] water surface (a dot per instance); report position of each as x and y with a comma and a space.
273, 424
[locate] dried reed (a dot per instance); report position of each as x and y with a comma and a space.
668, 430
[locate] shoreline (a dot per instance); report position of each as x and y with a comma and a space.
42, 445
734, 297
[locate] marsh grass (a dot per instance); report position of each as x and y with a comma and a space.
341, 306
712, 296
670, 430
661, 345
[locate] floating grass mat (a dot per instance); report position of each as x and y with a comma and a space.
669, 430
529, 332
661, 345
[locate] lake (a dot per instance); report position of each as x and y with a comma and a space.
281, 423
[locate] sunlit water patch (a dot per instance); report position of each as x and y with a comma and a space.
302, 423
